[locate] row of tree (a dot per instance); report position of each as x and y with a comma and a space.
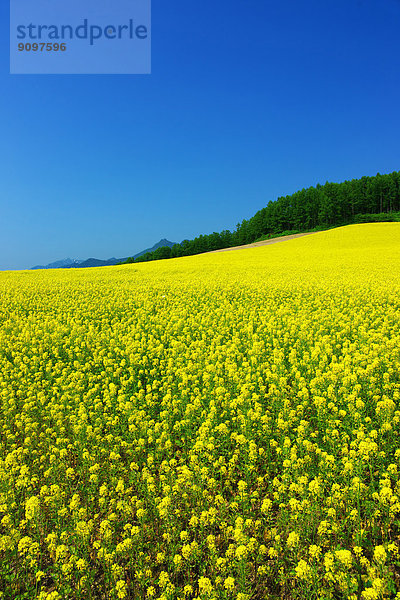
323, 206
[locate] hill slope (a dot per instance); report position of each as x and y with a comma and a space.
227, 421
347, 252
369, 199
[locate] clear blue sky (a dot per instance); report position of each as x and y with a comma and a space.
248, 100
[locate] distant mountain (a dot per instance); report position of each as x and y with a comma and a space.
159, 244
69, 263
96, 262
59, 264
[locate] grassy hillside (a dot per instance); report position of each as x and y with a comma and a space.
365, 200
224, 426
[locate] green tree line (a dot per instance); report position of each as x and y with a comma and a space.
323, 206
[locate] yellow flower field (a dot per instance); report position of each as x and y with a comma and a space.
223, 426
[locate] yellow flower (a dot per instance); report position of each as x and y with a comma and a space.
205, 585
177, 561
241, 552
303, 570
229, 584
380, 554
242, 485
163, 579
266, 505
345, 557
315, 551
120, 487
121, 589
32, 507
81, 564
293, 539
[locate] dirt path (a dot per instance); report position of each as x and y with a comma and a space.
283, 238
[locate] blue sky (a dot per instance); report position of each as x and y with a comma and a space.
248, 100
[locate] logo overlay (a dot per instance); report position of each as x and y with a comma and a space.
80, 36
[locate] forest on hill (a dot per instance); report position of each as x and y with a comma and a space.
330, 205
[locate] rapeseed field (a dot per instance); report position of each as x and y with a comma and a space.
223, 426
